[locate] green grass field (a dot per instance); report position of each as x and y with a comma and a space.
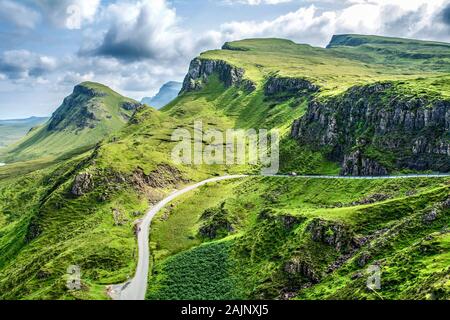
262, 244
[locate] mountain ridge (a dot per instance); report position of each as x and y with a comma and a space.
85, 117
168, 92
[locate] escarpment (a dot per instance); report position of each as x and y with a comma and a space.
376, 129
288, 86
201, 69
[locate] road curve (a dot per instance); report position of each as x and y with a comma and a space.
136, 288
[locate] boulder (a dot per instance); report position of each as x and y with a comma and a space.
331, 233
82, 184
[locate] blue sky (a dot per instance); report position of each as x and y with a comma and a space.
48, 46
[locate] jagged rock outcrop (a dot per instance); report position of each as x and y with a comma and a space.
131, 106
356, 164
88, 92
216, 222
331, 233
288, 86
85, 115
374, 198
87, 107
163, 176
297, 266
78, 111
82, 184
201, 69
374, 129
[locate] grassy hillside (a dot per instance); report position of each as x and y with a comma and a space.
91, 113
307, 239
79, 208
340, 67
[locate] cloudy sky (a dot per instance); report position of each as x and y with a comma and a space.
48, 46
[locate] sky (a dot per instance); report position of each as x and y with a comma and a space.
49, 46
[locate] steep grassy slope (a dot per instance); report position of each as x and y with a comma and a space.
13, 130
311, 239
83, 207
91, 113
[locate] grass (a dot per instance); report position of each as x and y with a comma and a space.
46, 141
205, 272
262, 247
105, 251
334, 70
44, 228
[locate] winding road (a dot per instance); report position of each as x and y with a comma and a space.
136, 288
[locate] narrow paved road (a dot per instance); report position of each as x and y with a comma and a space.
136, 288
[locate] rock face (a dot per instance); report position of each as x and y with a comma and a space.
82, 184
356, 164
131, 106
162, 177
288, 86
201, 69
331, 233
373, 130
297, 266
86, 91
85, 114
216, 222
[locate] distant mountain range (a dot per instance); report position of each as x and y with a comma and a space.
13, 130
166, 94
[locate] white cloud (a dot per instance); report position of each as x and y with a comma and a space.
256, 2
141, 30
70, 14
414, 19
18, 14
144, 45
20, 65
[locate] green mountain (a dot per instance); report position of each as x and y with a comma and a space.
89, 114
13, 130
365, 105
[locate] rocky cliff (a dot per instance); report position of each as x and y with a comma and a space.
288, 86
201, 69
377, 129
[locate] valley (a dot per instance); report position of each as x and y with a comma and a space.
13, 130
363, 181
